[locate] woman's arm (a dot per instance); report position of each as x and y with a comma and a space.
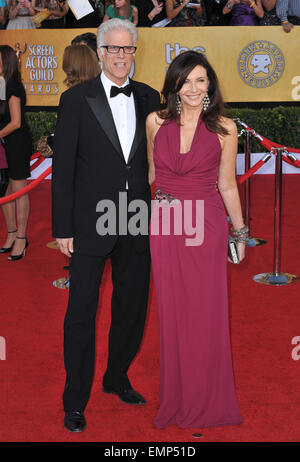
14, 104
229, 5
155, 11
108, 13
199, 10
60, 12
227, 179
13, 12
153, 122
2, 14
268, 4
150, 146
135, 15
173, 12
257, 8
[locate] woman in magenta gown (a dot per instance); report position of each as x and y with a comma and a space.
191, 147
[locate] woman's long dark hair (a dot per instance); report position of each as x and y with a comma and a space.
10, 65
176, 75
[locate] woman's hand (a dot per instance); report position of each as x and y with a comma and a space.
241, 250
156, 10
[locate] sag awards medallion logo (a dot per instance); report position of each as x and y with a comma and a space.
260, 64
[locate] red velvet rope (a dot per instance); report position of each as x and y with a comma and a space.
250, 172
270, 145
27, 188
37, 163
265, 141
289, 159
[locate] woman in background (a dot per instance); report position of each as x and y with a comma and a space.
182, 15
56, 20
18, 146
79, 64
2, 14
19, 13
244, 12
122, 10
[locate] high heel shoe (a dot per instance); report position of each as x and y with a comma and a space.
18, 257
8, 249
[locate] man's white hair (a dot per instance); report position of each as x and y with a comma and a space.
115, 24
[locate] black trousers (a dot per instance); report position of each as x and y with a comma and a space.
130, 277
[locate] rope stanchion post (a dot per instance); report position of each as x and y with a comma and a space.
247, 218
252, 241
277, 278
277, 214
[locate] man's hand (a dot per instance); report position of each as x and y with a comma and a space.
66, 245
287, 26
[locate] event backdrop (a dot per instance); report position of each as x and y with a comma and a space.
253, 63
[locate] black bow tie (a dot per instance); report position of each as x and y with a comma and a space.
127, 90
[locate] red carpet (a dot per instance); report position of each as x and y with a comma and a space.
264, 320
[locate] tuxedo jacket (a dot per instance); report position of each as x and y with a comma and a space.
89, 166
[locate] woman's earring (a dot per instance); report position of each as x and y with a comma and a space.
178, 104
206, 102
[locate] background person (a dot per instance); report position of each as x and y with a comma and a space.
288, 11
58, 9
214, 14
18, 146
181, 15
122, 9
270, 17
244, 12
88, 39
79, 64
19, 13
3, 15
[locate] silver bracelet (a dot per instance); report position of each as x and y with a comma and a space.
241, 231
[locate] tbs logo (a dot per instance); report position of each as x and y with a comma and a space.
173, 51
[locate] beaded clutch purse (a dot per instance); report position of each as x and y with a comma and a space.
232, 250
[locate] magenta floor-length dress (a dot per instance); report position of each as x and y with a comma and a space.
196, 376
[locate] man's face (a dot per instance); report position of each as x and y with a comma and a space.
117, 66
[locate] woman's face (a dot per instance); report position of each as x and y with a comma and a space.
195, 87
120, 3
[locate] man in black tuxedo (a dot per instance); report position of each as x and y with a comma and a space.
100, 151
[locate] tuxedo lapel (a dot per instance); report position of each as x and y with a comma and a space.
101, 109
140, 122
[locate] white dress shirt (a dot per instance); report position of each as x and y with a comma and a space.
123, 111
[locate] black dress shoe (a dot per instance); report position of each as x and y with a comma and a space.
126, 396
75, 421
